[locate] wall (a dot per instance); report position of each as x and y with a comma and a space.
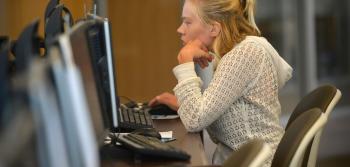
145, 40
16, 14
3, 18
145, 45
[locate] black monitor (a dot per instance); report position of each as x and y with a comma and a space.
44, 105
78, 75
100, 43
83, 58
75, 107
90, 44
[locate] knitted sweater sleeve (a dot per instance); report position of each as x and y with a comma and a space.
236, 70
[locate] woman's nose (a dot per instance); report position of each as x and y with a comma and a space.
180, 29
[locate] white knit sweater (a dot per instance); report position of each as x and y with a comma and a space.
241, 102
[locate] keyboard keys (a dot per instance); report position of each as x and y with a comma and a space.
148, 118
143, 119
125, 116
131, 116
135, 118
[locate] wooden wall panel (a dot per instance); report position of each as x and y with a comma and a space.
145, 40
145, 45
3, 18
16, 14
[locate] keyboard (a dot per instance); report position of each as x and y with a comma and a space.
135, 118
151, 146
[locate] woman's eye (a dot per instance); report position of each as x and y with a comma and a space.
187, 22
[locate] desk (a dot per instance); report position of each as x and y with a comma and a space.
189, 142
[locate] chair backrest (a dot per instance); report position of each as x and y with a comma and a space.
311, 153
297, 137
252, 154
325, 98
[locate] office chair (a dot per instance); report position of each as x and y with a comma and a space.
27, 46
297, 137
4, 70
50, 7
252, 154
325, 98
55, 22
58, 19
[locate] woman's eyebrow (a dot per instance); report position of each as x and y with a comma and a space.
184, 17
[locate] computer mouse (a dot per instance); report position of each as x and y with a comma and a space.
162, 109
150, 132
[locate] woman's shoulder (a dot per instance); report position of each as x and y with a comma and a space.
247, 46
252, 41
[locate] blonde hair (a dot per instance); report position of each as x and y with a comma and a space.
236, 18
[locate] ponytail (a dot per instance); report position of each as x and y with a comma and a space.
249, 12
236, 18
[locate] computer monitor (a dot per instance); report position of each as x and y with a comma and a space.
76, 52
83, 59
78, 104
44, 105
99, 38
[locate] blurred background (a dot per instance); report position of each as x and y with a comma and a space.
313, 36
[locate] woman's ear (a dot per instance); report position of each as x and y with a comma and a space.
216, 29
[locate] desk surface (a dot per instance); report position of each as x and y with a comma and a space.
189, 142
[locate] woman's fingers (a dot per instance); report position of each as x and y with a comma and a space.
153, 102
203, 59
165, 98
195, 51
199, 62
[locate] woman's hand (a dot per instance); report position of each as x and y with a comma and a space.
165, 98
195, 51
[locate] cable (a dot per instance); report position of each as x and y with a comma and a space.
127, 98
130, 104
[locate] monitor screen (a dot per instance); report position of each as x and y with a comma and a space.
83, 60
80, 131
99, 39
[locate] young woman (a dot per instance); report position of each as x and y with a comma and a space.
241, 102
